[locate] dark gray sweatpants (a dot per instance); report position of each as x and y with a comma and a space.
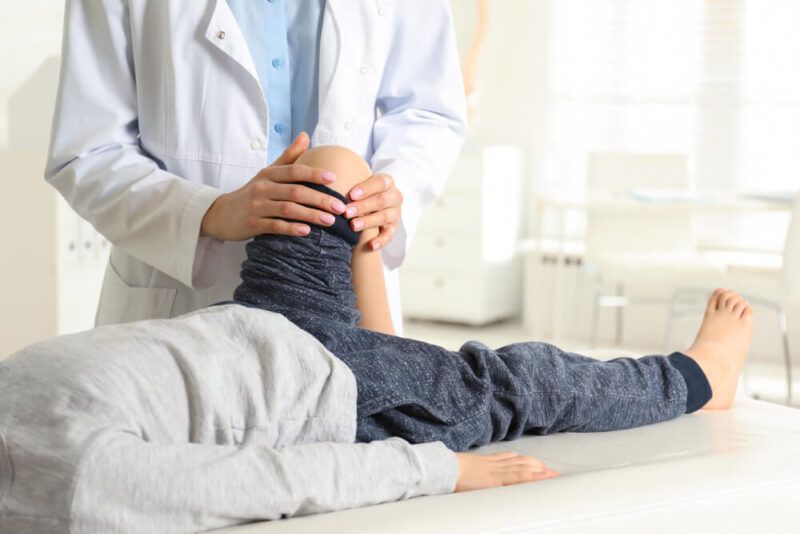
422, 392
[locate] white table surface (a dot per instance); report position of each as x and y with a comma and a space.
731, 471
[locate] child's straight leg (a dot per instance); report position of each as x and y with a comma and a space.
478, 395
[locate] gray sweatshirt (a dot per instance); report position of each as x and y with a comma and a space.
218, 417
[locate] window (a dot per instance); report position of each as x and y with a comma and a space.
717, 80
771, 96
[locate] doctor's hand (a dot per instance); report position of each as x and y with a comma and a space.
263, 204
376, 204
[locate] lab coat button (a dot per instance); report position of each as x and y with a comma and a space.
279, 128
277, 63
381, 12
364, 71
348, 126
220, 34
255, 145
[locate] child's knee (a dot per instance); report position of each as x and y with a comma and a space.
350, 168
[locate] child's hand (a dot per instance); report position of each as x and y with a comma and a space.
500, 469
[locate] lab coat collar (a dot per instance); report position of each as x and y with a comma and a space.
223, 32
234, 45
329, 60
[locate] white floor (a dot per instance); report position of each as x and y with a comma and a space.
764, 379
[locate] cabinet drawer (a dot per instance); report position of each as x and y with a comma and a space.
457, 298
458, 253
487, 294
453, 213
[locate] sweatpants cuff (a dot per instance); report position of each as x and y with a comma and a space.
341, 225
698, 390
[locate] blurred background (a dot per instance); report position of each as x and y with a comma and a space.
625, 157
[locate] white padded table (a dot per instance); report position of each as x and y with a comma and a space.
733, 471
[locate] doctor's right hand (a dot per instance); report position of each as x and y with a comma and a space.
264, 203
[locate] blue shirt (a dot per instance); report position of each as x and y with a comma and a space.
283, 37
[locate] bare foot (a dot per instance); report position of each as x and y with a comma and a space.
722, 344
500, 469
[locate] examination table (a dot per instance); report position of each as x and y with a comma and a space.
732, 471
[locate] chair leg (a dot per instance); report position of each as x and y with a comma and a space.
670, 320
787, 356
620, 316
784, 330
595, 320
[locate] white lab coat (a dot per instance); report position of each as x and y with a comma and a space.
160, 111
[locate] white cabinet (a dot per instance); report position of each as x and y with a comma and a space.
462, 266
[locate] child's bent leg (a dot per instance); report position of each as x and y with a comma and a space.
350, 169
367, 267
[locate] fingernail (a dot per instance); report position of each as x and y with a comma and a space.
337, 206
358, 225
355, 194
303, 230
351, 212
376, 245
328, 176
327, 218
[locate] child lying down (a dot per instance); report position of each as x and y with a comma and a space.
294, 398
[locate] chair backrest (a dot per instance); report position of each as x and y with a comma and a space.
791, 252
618, 171
642, 230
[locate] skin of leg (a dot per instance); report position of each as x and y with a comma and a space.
475, 471
368, 281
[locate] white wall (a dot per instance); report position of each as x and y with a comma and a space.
512, 77
31, 33
512, 84
38, 282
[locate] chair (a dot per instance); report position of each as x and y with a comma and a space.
766, 288
614, 243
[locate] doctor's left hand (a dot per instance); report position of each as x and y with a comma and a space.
377, 203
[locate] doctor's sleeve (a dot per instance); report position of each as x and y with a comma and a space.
132, 485
422, 108
96, 161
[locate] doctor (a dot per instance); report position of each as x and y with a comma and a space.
169, 112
